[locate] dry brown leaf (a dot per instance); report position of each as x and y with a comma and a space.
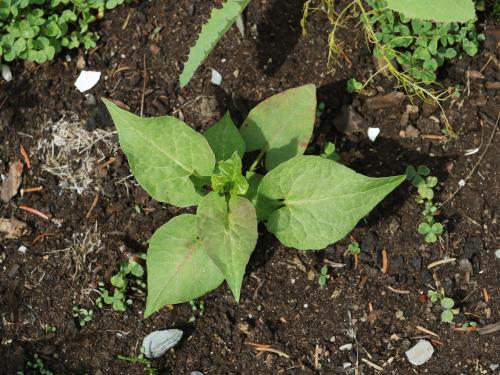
13, 228
11, 185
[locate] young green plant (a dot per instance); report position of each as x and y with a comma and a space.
447, 304
419, 178
128, 279
84, 316
307, 202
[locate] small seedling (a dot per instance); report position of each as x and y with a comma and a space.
141, 358
38, 366
323, 276
354, 249
329, 152
446, 303
419, 177
321, 109
197, 309
48, 328
468, 326
122, 282
84, 316
353, 85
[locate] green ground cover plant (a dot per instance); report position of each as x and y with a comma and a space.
127, 279
446, 303
307, 202
419, 178
36, 30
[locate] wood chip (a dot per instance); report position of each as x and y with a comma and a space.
491, 328
11, 185
425, 330
440, 262
266, 348
399, 291
13, 228
385, 261
371, 364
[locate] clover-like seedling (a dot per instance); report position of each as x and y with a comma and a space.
84, 316
37, 364
447, 315
122, 282
323, 276
329, 152
353, 248
431, 232
307, 202
353, 85
417, 175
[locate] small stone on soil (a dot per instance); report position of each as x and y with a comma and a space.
385, 101
86, 80
159, 342
420, 353
6, 73
497, 254
216, 77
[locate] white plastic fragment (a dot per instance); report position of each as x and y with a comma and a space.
497, 254
158, 343
86, 80
6, 73
240, 25
346, 347
471, 151
461, 183
373, 133
22, 249
420, 353
216, 77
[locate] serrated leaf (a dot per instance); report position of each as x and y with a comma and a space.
225, 139
435, 10
282, 124
229, 235
179, 269
321, 200
164, 154
220, 21
447, 316
447, 303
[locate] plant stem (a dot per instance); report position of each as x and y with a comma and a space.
259, 157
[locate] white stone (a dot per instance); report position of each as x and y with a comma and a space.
216, 77
346, 347
497, 254
461, 183
22, 249
6, 73
420, 353
373, 133
159, 342
196, 373
86, 80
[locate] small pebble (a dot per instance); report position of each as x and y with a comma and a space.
420, 353
6, 73
159, 342
216, 77
373, 133
399, 314
461, 183
494, 366
196, 373
497, 254
22, 249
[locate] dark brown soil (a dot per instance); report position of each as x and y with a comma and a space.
282, 304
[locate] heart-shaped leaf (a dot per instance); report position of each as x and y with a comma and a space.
179, 269
319, 200
282, 124
165, 155
225, 139
435, 10
228, 231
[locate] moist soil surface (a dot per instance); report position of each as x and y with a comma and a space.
89, 233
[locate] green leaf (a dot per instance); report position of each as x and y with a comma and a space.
424, 228
447, 316
220, 21
437, 228
5, 8
229, 235
423, 170
447, 303
179, 269
227, 178
430, 237
254, 180
410, 172
164, 155
224, 138
282, 124
320, 200
435, 10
